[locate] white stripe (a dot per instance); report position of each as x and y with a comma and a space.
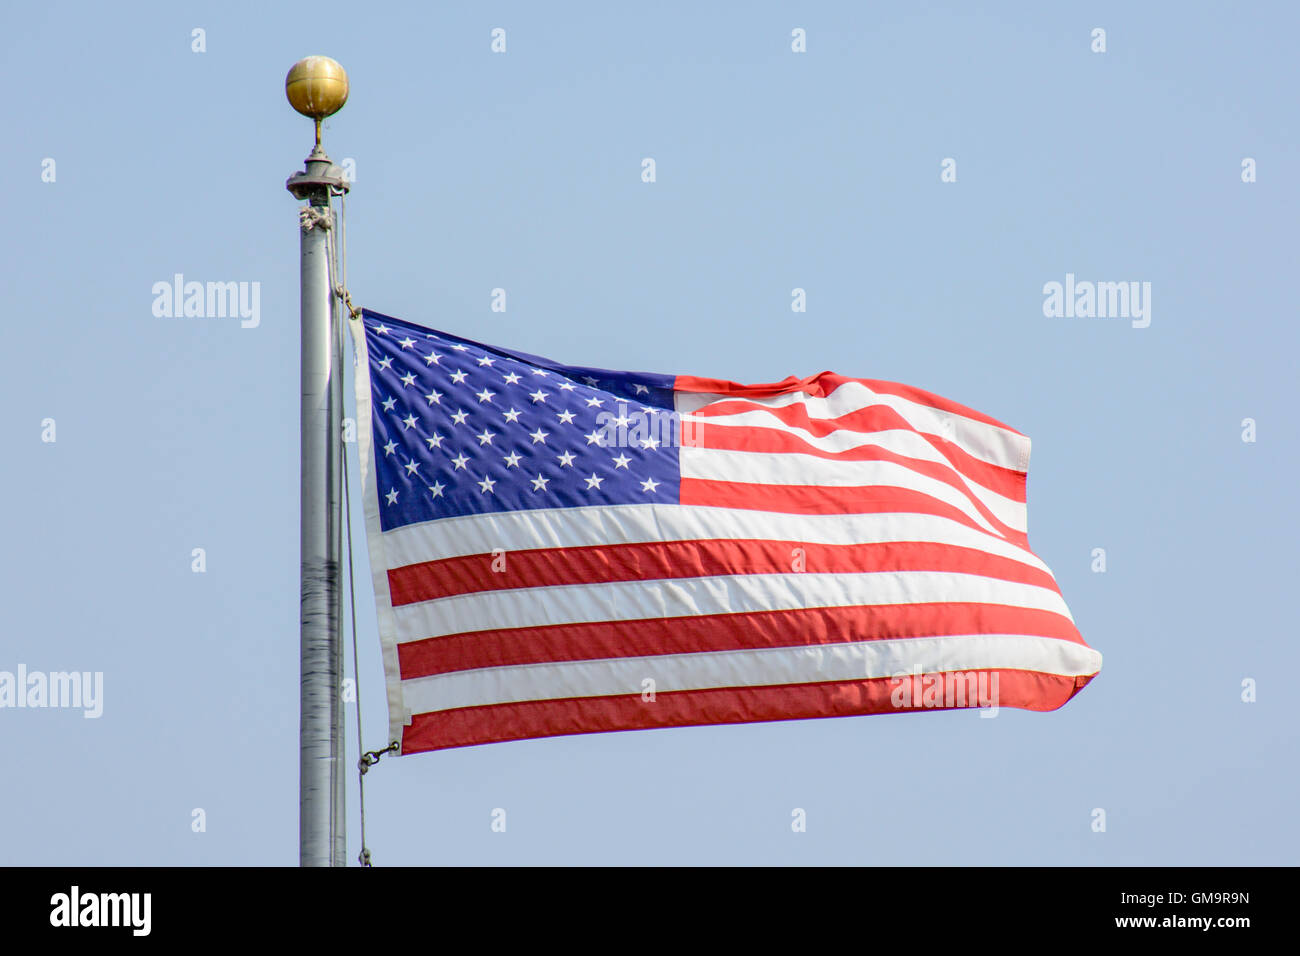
899, 441
997, 446
749, 668
634, 524
723, 594
762, 468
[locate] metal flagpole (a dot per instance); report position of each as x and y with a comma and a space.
318, 87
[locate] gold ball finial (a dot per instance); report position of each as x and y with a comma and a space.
317, 87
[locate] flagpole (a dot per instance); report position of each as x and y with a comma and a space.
318, 87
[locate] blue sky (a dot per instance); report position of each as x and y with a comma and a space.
775, 170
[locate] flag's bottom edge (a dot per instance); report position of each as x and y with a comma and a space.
987, 690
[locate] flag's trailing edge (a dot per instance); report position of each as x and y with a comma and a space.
562, 550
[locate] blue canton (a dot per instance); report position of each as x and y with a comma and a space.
464, 428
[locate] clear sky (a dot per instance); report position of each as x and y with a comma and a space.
775, 170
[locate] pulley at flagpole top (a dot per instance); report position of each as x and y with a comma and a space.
317, 87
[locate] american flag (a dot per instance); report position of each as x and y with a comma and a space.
562, 550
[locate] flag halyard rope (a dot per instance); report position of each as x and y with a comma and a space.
341, 290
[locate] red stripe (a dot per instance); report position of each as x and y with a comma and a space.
772, 442
655, 560
466, 726
831, 499
598, 640
820, 386
705, 434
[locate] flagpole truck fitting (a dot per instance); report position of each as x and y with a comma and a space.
317, 87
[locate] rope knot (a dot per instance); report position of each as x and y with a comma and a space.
310, 217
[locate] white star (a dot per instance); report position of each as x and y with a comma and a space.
567, 459
409, 343
408, 379
434, 397
538, 396
385, 363
459, 417
641, 390
539, 436
382, 329
485, 360
412, 466
649, 484
390, 448
540, 483
622, 421
593, 482
565, 417
461, 348
392, 496
458, 377
649, 442
621, 461
486, 485
511, 459
435, 441
459, 461
436, 488
485, 395
568, 386
432, 358
409, 421
595, 438
589, 380
539, 371
594, 402
512, 378
512, 415
389, 403
485, 437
